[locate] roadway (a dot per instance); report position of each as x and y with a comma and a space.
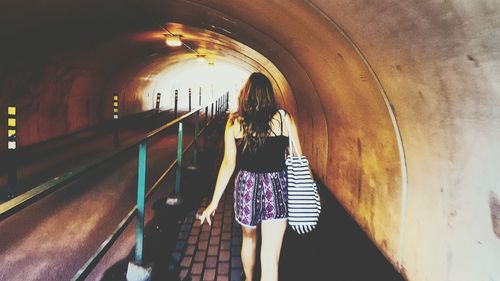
52, 238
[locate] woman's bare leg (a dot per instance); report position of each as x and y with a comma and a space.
248, 250
272, 238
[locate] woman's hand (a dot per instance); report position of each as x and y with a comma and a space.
208, 213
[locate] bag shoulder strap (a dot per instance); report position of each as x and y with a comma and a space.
281, 123
291, 141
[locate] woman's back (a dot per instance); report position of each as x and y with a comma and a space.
270, 156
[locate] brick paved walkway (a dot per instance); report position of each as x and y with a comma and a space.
209, 252
213, 252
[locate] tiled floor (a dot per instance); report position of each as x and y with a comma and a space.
337, 250
210, 252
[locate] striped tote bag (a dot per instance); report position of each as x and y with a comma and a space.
303, 198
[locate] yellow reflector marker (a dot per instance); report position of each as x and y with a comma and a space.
115, 103
11, 122
11, 133
11, 110
115, 110
115, 97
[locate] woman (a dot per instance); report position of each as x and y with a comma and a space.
256, 139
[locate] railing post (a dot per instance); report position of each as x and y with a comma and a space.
176, 199
176, 100
227, 100
220, 106
194, 164
205, 132
206, 115
199, 97
189, 99
157, 106
196, 132
116, 138
212, 112
141, 188
179, 161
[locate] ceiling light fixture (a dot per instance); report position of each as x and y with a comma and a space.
173, 40
201, 58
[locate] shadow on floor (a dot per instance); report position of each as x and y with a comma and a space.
336, 250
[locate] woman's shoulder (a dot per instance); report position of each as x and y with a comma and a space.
234, 119
233, 123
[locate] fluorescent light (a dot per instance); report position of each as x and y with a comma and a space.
201, 58
173, 40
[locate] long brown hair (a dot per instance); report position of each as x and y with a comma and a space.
256, 108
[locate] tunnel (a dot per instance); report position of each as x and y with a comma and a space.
397, 102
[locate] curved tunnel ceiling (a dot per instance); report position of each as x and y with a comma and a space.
329, 86
162, 62
397, 101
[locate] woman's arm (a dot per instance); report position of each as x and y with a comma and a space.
225, 172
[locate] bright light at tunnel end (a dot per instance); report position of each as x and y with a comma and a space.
215, 79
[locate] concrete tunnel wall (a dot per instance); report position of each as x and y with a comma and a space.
397, 101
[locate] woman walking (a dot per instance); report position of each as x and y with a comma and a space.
255, 141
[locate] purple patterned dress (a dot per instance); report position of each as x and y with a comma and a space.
261, 190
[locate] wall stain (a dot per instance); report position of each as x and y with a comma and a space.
360, 148
474, 60
360, 170
359, 187
384, 244
451, 217
495, 213
365, 77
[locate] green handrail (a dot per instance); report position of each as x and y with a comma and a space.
106, 245
141, 188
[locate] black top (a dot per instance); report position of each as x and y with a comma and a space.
270, 157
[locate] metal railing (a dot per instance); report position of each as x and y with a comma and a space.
142, 197
21, 201
38, 192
